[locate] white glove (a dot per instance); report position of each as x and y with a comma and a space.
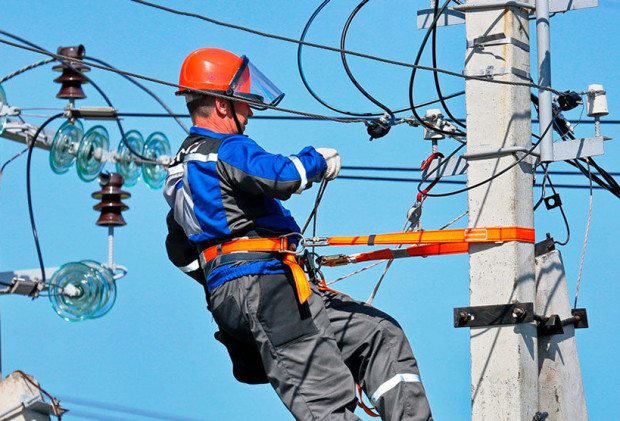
333, 162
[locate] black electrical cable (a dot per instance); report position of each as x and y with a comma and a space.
562, 243
343, 56
315, 208
288, 117
436, 75
517, 162
198, 91
29, 193
301, 71
367, 168
145, 89
442, 181
64, 60
325, 47
560, 125
414, 70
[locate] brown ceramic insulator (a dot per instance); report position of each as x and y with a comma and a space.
71, 78
74, 51
111, 202
71, 92
111, 190
111, 219
79, 67
110, 195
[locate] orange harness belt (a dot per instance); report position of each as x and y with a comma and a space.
429, 243
279, 245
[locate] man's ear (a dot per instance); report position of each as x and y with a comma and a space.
221, 106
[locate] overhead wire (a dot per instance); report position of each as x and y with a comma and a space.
416, 66
64, 60
494, 176
339, 50
291, 117
162, 82
145, 89
343, 56
29, 192
436, 75
24, 69
151, 414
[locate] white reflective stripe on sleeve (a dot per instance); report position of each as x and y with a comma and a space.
191, 267
175, 170
302, 173
212, 157
393, 382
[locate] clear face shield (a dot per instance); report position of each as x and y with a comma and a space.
251, 84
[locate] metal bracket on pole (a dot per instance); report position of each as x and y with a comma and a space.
553, 325
497, 39
456, 15
578, 148
24, 132
494, 5
491, 71
494, 315
25, 282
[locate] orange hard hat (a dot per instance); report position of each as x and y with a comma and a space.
222, 72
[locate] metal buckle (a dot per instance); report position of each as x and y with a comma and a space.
284, 246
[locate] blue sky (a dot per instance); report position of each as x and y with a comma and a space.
155, 349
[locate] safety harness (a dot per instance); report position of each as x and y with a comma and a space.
279, 245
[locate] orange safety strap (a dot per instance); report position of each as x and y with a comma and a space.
413, 251
279, 245
467, 235
362, 405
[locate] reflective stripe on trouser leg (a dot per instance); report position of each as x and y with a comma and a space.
392, 383
376, 350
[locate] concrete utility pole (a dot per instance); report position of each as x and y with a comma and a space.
560, 388
504, 370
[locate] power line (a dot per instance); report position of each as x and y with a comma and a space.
162, 82
461, 182
155, 415
371, 168
339, 50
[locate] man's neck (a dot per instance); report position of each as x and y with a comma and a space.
216, 125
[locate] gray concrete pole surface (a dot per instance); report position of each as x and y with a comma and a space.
504, 371
560, 386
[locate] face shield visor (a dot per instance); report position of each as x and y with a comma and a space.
251, 84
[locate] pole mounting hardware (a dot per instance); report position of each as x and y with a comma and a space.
494, 315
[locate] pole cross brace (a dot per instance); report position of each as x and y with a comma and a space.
494, 315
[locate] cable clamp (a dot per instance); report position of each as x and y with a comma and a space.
9, 110
497, 39
91, 113
471, 6
491, 71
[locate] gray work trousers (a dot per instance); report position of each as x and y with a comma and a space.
313, 354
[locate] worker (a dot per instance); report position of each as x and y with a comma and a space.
230, 232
